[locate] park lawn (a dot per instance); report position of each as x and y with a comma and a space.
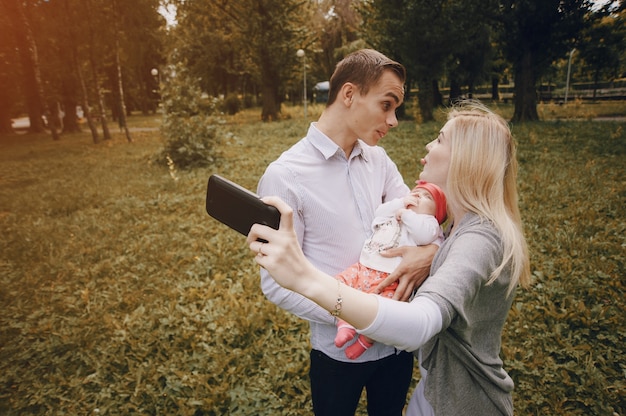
119, 295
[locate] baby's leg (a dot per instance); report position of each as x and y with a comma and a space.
355, 350
345, 332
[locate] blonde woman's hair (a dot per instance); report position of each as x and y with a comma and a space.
482, 179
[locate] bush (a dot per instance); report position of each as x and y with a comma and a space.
189, 124
249, 101
189, 142
231, 104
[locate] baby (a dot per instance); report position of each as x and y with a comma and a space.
412, 220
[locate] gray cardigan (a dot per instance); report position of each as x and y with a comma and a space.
465, 374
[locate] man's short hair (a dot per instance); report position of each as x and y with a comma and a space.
362, 68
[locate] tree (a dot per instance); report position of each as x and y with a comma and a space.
600, 47
60, 50
121, 105
55, 21
274, 49
9, 75
96, 47
498, 68
260, 47
535, 33
71, 22
472, 26
31, 71
430, 37
336, 26
412, 32
142, 39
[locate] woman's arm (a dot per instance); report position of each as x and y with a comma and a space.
283, 258
405, 325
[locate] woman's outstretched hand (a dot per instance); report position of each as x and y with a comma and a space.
278, 251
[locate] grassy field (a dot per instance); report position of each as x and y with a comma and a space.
119, 295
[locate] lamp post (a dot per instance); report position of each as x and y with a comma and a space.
569, 69
300, 53
157, 76
155, 73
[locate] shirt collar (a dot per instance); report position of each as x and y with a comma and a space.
329, 148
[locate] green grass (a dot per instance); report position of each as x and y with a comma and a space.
119, 295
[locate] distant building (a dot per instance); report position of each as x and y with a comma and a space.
320, 91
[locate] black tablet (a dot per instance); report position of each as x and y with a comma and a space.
237, 207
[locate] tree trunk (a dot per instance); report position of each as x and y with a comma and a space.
269, 88
120, 84
36, 71
437, 96
94, 72
33, 103
85, 101
101, 107
5, 119
78, 73
120, 88
455, 91
70, 120
425, 99
85, 104
525, 90
495, 94
470, 90
271, 106
21, 29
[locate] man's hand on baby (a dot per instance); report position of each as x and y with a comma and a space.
411, 272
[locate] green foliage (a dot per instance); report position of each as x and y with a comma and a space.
573, 208
231, 104
121, 296
229, 54
189, 125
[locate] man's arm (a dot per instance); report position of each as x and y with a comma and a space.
275, 182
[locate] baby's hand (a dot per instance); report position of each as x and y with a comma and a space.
410, 201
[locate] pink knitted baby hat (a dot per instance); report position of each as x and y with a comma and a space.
439, 197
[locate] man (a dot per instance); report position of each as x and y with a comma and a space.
334, 179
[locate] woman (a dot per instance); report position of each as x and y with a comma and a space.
454, 323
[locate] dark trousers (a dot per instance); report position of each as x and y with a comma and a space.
336, 386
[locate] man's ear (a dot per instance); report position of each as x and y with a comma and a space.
347, 92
